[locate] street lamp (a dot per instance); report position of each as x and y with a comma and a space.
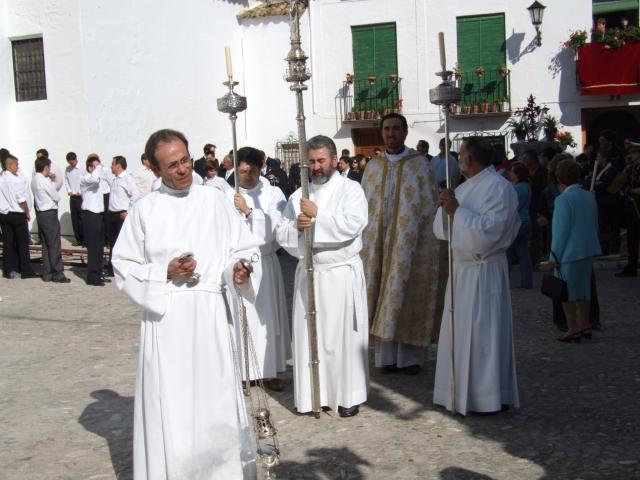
536, 11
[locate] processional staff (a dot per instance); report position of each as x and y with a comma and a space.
445, 95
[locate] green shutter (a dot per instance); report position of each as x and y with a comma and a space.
481, 42
613, 6
374, 53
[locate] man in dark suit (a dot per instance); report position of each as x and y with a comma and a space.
209, 154
275, 174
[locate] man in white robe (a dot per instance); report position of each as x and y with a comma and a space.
189, 417
260, 206
485, 223
337, 213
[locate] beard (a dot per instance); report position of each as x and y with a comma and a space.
319, 178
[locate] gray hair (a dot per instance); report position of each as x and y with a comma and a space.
321, 141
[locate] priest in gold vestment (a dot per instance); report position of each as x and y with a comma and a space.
401, 254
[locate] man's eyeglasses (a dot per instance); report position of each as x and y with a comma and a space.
173, 166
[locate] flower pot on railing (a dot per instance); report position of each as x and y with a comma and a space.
496, 107
503, 70
475, 108
372, 79
351, 115
362, 114
393, 78
479, 71
349, 79
485, 107
467, 109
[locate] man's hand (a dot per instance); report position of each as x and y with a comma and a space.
241, 204
123, 215
52, 176
304, 222
240, 273
309, 208
542, 221
448, 202
178, 270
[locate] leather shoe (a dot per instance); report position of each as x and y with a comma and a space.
275, 384
412, 370
349, 412
105, 280
95, 283
61, 280
11, 275
30, 275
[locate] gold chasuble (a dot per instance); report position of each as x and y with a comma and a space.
401, 254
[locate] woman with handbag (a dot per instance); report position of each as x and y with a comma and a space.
573, 246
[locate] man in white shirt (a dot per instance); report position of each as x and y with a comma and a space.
16, 234
92, 219
45, 199
144, 177
440, 168
124, 193
72, 175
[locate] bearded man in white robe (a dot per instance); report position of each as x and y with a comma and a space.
178, 248
337, 213
260, 206
485, 222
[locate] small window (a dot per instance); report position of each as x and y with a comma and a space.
28, 69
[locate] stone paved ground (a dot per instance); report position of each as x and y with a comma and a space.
68, 359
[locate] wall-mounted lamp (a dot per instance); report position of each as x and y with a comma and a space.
536, 10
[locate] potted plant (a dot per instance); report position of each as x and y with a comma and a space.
393, 78
550, 127
518, 128
457, 73
503, 70
475, 108
479, 71
467, 109
565, 139
485, 106
505, 104
349, 78
496, 106
362, 114
372, 79
576, 40
352, 114
454, 109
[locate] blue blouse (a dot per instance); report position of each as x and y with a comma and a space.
523, 189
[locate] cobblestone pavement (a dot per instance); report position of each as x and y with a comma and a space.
68, 360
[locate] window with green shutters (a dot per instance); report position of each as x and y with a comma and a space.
481, 43
375, 55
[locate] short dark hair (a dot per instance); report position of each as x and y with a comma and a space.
162, 136
120, 160
479, 150
42, 151
41, 163
345, 159
520, 171
209, 165
610, 135
251, 156
322, 141
568, 172
532, 154
90, 160
143, 157
4, 153
71, 156
405, 125
207, 147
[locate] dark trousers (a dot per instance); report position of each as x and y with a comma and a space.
16, 245
49, 231
93, 225
115, 224
105, 220
632, 221
75, 209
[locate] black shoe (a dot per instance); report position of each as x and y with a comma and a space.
412, 370
349, 412
626, 273
105, 279
30, 275
95, 283
388, 369
61, 280
11, 275
575, 338
47, 279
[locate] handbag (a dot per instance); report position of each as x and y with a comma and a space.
554, 287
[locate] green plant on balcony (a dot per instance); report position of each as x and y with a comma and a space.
479, 70
503, 70
518, 127
576, 40
550, 126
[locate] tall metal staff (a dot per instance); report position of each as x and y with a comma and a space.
297, 74
232, 103
444, 95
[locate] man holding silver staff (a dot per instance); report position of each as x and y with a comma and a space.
485, 221
179, 248
401, 255
260, 205
336, 211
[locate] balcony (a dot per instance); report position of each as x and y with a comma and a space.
487, 94
364, 101
603, 70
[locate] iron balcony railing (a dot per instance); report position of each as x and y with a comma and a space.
484, 92
370, 98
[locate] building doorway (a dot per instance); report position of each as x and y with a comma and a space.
625, 121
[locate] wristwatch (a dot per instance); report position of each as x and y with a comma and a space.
249, 213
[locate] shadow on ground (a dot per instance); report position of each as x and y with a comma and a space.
111, 417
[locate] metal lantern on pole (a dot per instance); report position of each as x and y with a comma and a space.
445, 95
536, 11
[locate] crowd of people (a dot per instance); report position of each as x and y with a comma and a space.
197, 258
